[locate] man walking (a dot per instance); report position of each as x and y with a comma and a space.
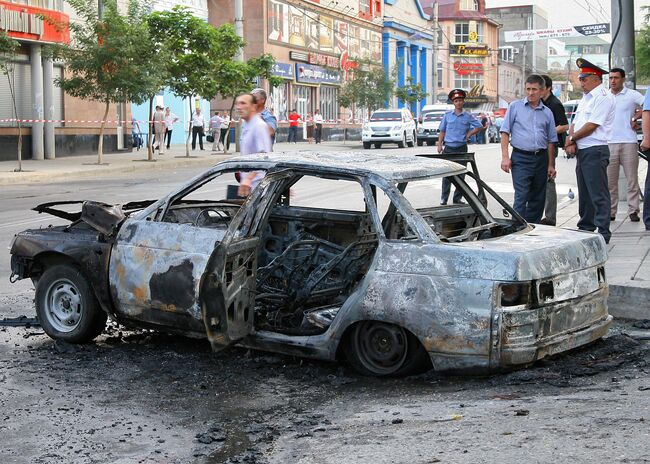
623, 145
255, 138
529, 127
170, 120
588, 136
456, 127
159, 129
263, 111
294, 120
318, 126
198, 123
561, 127
215, 130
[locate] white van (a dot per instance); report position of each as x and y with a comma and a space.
440, 108
389, 126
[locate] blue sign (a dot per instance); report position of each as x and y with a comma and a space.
317, 74
284, 70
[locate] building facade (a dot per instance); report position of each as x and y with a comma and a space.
315, 45
467, 52
407, 48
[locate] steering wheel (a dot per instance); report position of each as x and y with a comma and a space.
210, 216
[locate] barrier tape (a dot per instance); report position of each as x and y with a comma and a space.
329, 121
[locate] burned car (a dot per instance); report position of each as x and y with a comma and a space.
380, 275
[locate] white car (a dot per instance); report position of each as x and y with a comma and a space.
389, 126
429, 128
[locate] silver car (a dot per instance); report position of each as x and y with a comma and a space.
379, 275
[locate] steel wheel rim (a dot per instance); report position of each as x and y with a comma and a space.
63, 305
381, 348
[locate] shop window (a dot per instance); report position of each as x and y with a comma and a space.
302, 99
329, 106
468, 81
279, 101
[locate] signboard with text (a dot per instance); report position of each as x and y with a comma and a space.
558, 33
317, 75
469, 50
284, 70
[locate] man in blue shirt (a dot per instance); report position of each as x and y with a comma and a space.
265, 114
456, 128
645, 146
530, 128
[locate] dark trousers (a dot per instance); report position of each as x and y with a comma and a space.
446, 183
197, 131
168, 136
318, 133
293, 133
529, 176
646, 201
225, 139
594, 203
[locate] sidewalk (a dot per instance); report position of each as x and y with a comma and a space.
628, 266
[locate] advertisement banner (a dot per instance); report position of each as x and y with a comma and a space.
317, 75
558, 33
469, 50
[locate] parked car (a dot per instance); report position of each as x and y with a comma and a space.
429, 128
385, 277
570, 109
389, 126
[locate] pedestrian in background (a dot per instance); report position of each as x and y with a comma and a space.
318, 126
225, 128
198, 125
170, 120
215, 130
136, 133
456, 127
530, 128
623, 144
309, 128
588, 137
645, 147
294, 121
561, 128
255, 138
266, 115
159, 129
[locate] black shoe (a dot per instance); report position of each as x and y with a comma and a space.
634, 217
547, 222
612, 218
443, 203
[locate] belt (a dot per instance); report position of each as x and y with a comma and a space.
531, 153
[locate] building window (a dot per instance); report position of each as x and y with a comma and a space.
507, 54
440, 78
467, 30
329, 106
279, 100
302, 100
552, 51
468, 81
469, 5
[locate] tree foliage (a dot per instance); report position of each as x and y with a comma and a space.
8, 47
370, 88
111, 58
643, 47
411, 93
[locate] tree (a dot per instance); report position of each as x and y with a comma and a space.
643, 47
198, 51
411, 93
8, 48
369, 88
111, 58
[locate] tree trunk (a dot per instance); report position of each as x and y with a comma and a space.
189, 132
149, 135
100, 146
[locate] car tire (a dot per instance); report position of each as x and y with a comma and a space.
66, 306
366, 145
402, 143
379, 349
420, 143
377, 145
412, 142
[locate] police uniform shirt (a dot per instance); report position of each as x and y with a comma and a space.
596, 107
456, 127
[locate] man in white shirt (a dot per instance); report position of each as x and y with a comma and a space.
159, 129
255, 138
318, 126
170, 120
198, 123
588, 137
623, 143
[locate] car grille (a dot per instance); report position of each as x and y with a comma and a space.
380, 129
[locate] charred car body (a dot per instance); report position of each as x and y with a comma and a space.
387, 279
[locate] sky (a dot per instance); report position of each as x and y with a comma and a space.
563, 13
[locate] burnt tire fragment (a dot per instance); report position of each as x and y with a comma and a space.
66, 306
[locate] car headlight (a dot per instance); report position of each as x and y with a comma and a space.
515, 294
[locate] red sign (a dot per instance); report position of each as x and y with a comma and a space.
464, 69
36, 24
346, 63
323, 60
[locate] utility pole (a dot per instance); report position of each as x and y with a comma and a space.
434, 60
239, 30
622, 49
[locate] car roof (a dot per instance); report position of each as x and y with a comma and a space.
393, 168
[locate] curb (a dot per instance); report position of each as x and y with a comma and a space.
629, 302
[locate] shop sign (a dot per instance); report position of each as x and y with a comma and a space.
476, 96
346, 63
317, 75
284, 70
469, 50
323, 60
465, 69
299, 56
28, 23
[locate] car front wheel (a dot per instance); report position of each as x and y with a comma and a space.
366, 145
413, 139
66, 306
380, 349
402, 143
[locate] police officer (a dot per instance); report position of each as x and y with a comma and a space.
530, 128
588, 137
456, 128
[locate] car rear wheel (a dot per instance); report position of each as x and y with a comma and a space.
402, 143
66, 306
412, 142
366, 145
378, 145
380, 349
420, 143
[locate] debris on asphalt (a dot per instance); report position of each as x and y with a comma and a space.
20, 321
